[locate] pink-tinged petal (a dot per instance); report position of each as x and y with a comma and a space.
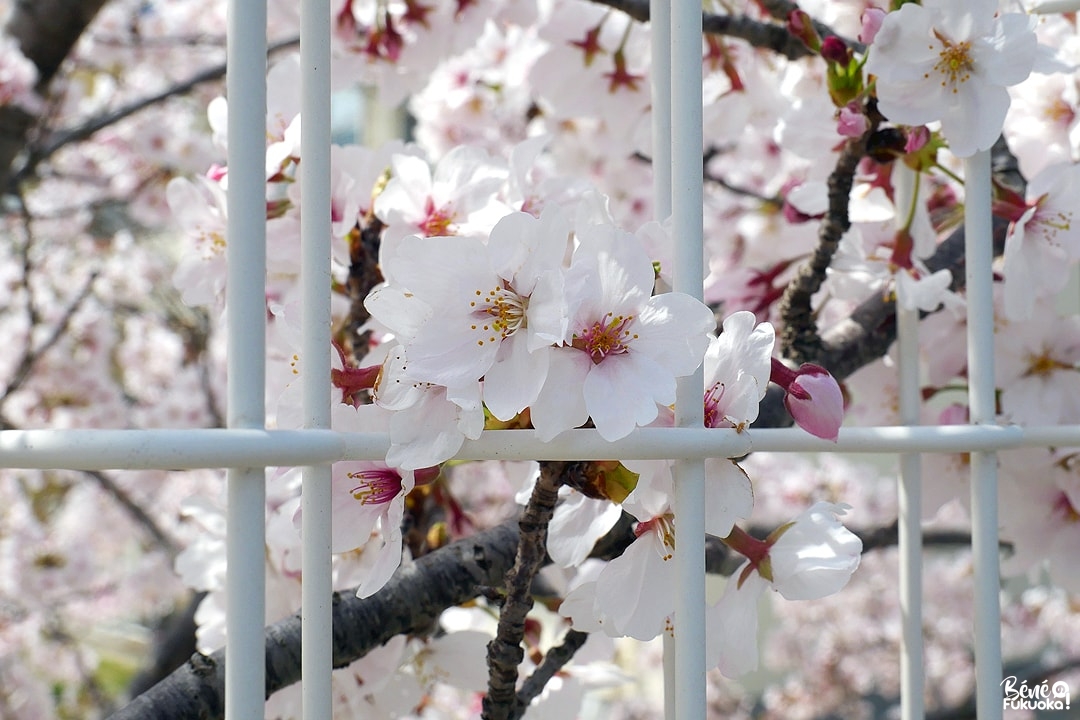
577, 524
816, 555
974, 123
1009, 56
872, 18
815, 402
387, 558
428, 432
673, 329
731, 642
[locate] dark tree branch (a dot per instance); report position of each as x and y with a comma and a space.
41, 152
504, 651
868, 332
554, 661
46, 30
799, 336
781, 9
758, 34
409, 604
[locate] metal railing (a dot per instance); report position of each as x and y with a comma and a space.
247, 447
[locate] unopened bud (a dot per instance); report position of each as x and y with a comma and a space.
801, 26
836, 51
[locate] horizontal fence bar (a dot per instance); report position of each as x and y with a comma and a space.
214, 448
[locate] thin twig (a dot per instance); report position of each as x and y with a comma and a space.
162, 539
32, 355
59, 139
781, 9
554, 661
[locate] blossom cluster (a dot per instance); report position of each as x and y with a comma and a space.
527, 181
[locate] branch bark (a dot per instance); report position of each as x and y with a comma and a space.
46, 31
409, 604
505, 652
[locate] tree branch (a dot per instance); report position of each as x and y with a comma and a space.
46, 30
554, 660
799, 336
758, 34
504, 651
409, 604
60, 138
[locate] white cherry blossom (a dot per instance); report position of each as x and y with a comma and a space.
619, 336
951, 62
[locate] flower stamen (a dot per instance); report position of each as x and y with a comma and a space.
377, 486
505, 307
606, 337
955, 62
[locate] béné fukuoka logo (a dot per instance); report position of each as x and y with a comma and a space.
1040, 696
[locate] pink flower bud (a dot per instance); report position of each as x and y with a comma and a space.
871, 23
801, 26
813, 398
917, 138
815, 402
836, 51
851, 122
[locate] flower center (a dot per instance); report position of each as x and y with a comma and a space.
1044, 364
376, 486
1060, 112
606, 337
1049, 222
954, 62
713, 417
438, 220
499, 313
664, 527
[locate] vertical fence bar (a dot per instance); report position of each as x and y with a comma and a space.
660, 39
910, 492
981, 399
245, 613
316, 613
687, 229
660, 50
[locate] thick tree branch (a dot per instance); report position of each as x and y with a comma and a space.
409, 604
46, 30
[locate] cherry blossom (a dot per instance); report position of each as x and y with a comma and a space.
619, 335
496, 319
809, 558
457, 199
737, 369
1042, 245
949, 63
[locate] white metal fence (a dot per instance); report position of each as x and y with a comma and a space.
247, 447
